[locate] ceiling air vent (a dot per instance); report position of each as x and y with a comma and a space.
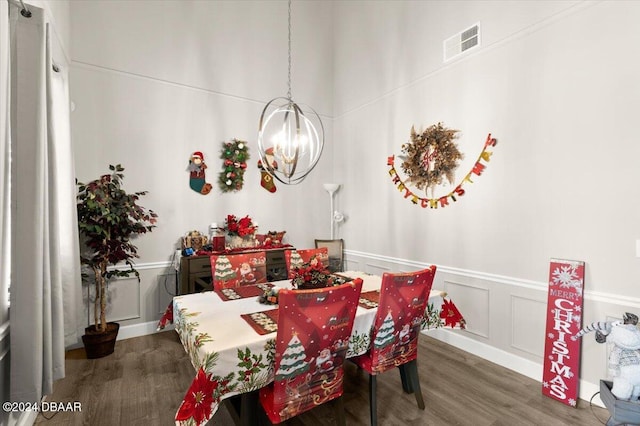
461, 42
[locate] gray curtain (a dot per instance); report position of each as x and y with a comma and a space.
45, 270
5, 169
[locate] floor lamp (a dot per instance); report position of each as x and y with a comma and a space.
331, 188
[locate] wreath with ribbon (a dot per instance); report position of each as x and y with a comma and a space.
429, 158
235, 155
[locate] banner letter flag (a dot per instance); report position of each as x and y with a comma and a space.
560, 375
477, 169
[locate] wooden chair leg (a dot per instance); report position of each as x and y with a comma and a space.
341, 419
249, 407
406, 383
412, 372
373, 410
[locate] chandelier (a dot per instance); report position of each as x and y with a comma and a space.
290, 135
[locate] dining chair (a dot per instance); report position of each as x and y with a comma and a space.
314, 327
295, 258
234, 270
394, 337
336, 253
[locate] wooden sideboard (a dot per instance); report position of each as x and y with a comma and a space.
195, 271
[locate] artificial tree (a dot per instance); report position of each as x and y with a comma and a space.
108, 217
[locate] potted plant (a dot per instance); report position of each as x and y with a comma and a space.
108, 217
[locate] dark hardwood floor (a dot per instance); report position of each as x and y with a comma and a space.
143, 382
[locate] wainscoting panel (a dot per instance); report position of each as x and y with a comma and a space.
352, 265
123, 300
124, 294
166, 289
527, 335
375, 269
474, 301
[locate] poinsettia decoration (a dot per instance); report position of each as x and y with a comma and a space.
311, 275
241, 227
198, 400
451, 315
447, 315
235, 155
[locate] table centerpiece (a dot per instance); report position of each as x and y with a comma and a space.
312, 274
240, 232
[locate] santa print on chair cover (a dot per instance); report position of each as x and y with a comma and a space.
395, 334
238, 269
311, 346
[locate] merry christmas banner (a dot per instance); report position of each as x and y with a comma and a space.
425, 160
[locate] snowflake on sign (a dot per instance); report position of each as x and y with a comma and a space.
567, 277
577, 319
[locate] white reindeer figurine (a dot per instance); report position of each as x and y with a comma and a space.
624, 359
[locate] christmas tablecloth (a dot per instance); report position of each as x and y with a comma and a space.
231, 358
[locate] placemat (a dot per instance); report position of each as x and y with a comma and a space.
242, 292
263, 322
369, 299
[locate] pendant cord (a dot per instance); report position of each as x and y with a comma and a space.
289, 75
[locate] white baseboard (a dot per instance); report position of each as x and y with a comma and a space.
130, 331
523, 366
137, 330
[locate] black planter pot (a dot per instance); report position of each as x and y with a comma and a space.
100, 344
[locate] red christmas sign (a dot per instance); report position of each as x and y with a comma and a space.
560, 376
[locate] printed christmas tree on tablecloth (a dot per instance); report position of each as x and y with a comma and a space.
293, 360
385, 335
224, 271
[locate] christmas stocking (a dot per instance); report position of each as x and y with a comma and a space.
266, 180
196, 170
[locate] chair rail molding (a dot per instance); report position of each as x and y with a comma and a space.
596, 296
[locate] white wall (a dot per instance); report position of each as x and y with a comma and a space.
554, 82
154, 81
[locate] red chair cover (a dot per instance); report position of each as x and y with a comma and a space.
314, 327
234, 270
403, 300
295, 258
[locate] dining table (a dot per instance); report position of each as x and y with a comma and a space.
229, 336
